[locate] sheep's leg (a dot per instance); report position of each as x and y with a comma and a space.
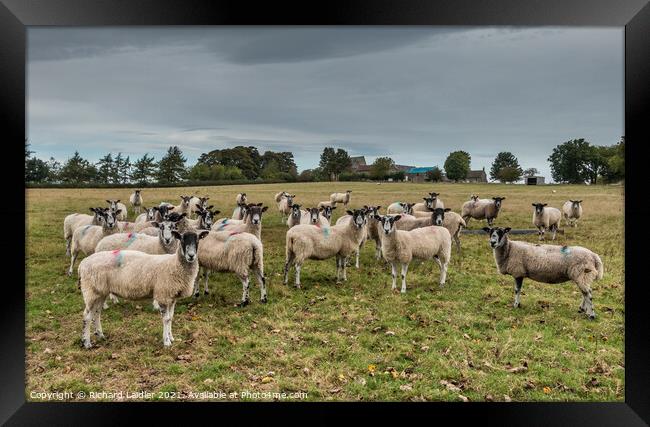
405, 268
68, 242
97, 319
443, 271
165, 315
72, 261
357, 257
287, 265
169, 331
519, 281
245, 299
586, 298
262, 282
206, 274
554, 229
393, 268
87, 319
297, 267
344, 265
378, 254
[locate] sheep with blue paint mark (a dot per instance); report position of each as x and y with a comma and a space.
85, 239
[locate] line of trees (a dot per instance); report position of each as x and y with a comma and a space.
575, 162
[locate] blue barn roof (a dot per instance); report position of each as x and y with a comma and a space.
419, 170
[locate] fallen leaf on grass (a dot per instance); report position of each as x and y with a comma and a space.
389, 333
267, 380
463, 398
48, 350
547, 390
406, 387
335, 390
371, 370
506, 398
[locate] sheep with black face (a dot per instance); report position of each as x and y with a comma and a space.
572, 211
546, 218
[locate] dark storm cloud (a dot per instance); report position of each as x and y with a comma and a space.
412, 93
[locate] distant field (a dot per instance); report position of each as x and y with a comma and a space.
356, 341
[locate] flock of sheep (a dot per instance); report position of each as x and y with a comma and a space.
161, 253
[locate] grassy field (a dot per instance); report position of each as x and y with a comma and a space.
356, 341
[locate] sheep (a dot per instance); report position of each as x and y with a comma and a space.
546, 218
85, 238
306, 241
347, 218
241, 198
198, 202
115, 205
572, 211
126, 226
482, 209
400, 208
280, 195
252, 222
240, 211
410, 222
165, 278
430, 202
236, 252
148, 215
164, 243
453, 222
205, 219
341, 197
296, 215
326, 204
372, 229
546, 264
136, 201
76, 220
151, 229
399, 246
326, 211
184, 206
285, 205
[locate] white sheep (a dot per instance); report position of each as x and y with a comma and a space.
400, 208
85, 238
453, 222
205, 219
546, 218
164, 243
183, 207
149, 214
326, 204
280, 195
241, 198
240, 211
400, 247
197, 203
430, 202
482, 209
341, 197
306, 241
136, 275
572, 211
115, 205
136, 201
326, 211
76, 220
252, 222
284, 206
546, 264
234, 252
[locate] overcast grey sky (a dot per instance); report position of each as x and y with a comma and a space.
412, 93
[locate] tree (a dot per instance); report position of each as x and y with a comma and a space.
203, 172
457, 165
123, 169
381, 167
143, 169
171, 168
506, 159
333, 163
78, 170
569, 162
36, 170
280, 164
434, 175
531, 172
246, 159
105, 169
54, 168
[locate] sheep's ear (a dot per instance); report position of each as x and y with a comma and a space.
259, 204
108, 201
264, 208
545, 204
183, 215
169, 208
488, 230
92, 209
117, 212
210, 207
377, 217
447, 209
177, 235
155, 224
216, 212
424, 198
397, 217
507, 230
533, 204
349, 212
117, 201
579, 201
203, 234
333, 207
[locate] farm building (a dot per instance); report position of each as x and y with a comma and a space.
359, 165
534, 180
417, 174
477, 176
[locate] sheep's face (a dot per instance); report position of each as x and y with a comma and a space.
164, 211
575, 205
174, 217
295, 211
408, 208
473, 198
438, 215
388, 222
327, 212
207, 217
539, 208
314, 215
151, 213
112, 204
243, 210
255, 213
109, 218
498, 236
185, 201
497, 201
203, 202
166, 228
289, 198
358, 217
189, 243
372, 211
434, 196
428, 202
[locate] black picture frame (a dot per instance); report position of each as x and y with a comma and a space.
634, 15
